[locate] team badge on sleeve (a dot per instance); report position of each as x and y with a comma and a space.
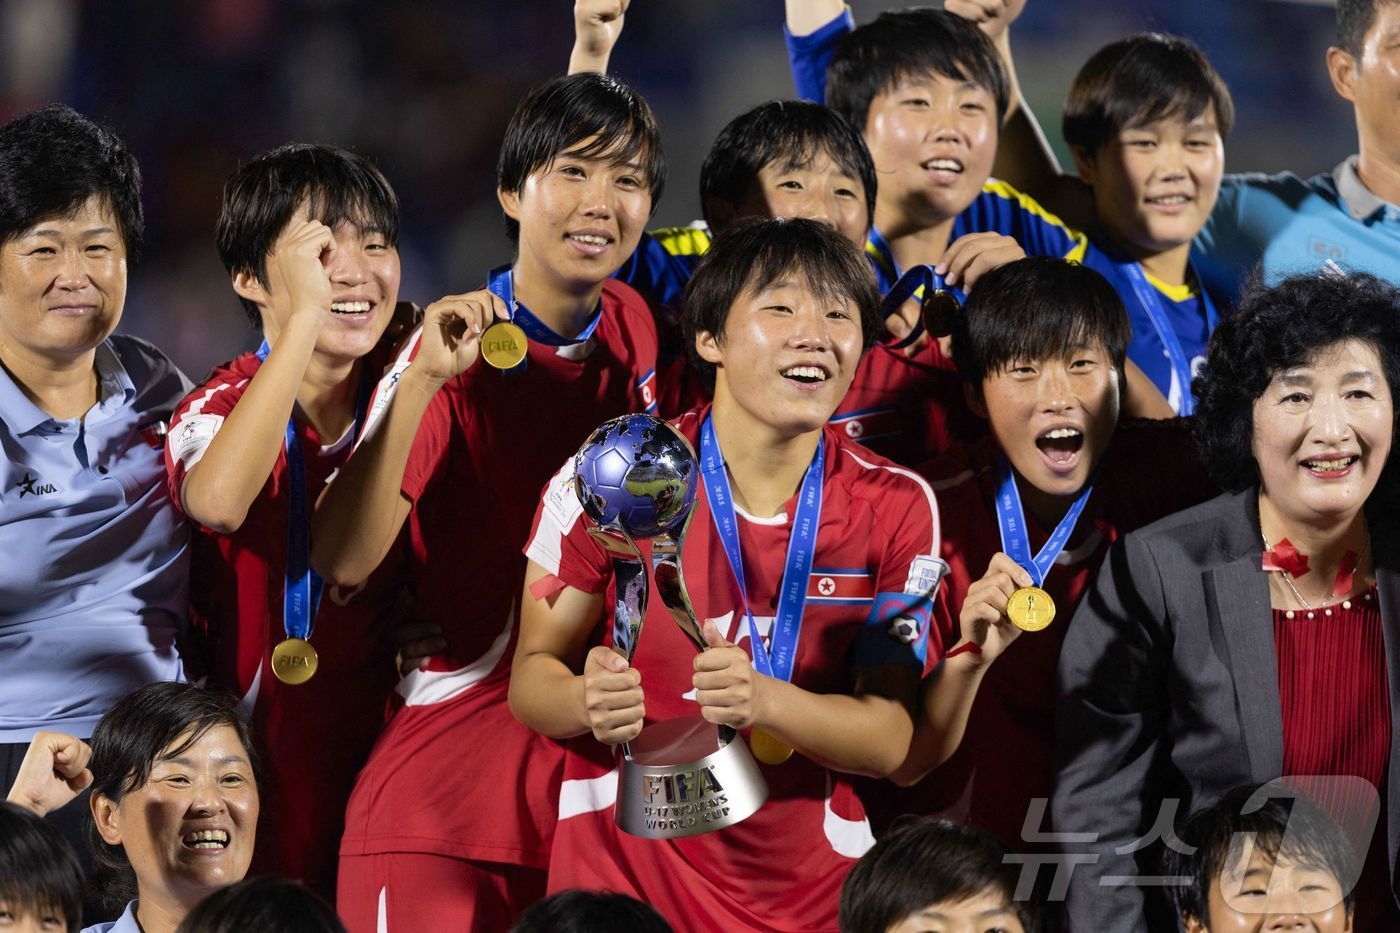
192, 436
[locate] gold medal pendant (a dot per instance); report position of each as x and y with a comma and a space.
938, 310
1030, 609
767, 749
503, 345
294, 661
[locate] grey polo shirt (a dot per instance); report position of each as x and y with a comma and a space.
94, 562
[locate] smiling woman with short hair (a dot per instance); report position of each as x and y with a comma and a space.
1252, 637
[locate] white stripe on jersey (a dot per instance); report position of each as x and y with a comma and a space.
851, 838
423, 688
250, 699
923, 486
587, 795
381, 923
561, 510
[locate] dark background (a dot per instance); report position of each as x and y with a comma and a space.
425, 89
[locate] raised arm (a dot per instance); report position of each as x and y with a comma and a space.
597, 27
812, 29
219, 488
949, 691
359, 515
1025, 157
53, 773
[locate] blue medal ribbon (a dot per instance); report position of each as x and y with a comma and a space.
301, 593
1015, 542
1153, 304
920, 280
501, 282
877, 245
777, 659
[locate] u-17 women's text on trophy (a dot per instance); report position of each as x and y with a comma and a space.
637, 478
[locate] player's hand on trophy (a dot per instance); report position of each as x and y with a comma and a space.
727, 687
301, 258
991, 16
983, 618
597, 27
452, 329
612, 693
54, 771
969, 257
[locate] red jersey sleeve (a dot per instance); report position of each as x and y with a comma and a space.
909, 571
559, 541
196, 420
431, 442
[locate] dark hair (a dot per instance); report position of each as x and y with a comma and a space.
920, 863
1273, 328
52, 161
595, 116
1138, 80
590, 912
38, 870
131, 737
1354, 19
756, 252
1037, 308
913, 43
1277, 821
790, 133
338, 187
268, 905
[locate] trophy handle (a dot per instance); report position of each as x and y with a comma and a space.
630, 601
670, 586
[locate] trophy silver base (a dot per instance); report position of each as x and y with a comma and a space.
682, 779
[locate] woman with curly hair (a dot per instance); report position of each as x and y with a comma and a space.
1255, 636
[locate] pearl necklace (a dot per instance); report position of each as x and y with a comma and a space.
1288, 579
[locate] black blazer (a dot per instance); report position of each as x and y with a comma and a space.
1169, 690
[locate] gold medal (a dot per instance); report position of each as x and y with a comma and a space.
767, 749
504, 344
1030, 609
938, 310
294, 661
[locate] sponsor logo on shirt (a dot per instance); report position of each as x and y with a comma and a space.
33, 486
925, 573
192, 436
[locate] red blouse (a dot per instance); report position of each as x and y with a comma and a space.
1336, 721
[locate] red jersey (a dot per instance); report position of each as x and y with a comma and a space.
907, 408
314, 736
1005, 759
875, 565
454, 772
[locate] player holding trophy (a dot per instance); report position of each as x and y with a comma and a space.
810, 563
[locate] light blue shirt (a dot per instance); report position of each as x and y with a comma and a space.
126, 923
1330, 221
94, 575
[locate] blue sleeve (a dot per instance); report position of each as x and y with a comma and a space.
1224, 254
811, 55
1002, 209
895, 632
657, 275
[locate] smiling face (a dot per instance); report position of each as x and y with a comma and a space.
987, 912
190, 828
364, 273
786, 357
580, 218
933, 139
1258, 894
1322, 433
1155, 184
820, 190
63, 285
1053, 418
